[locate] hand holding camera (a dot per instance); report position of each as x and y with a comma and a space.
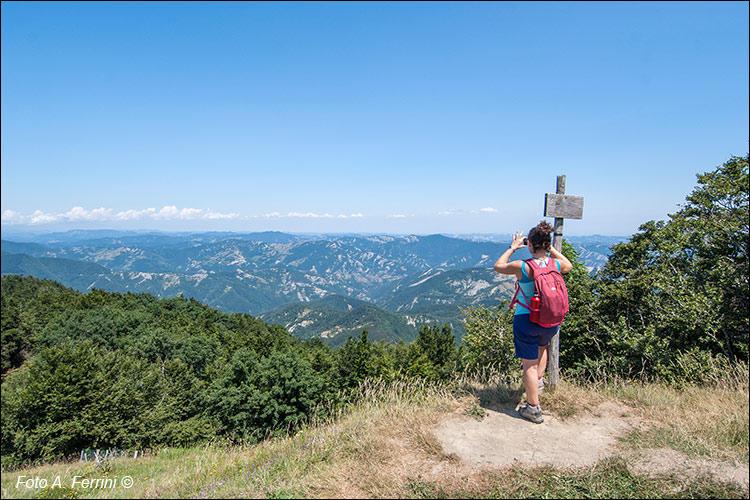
519, 241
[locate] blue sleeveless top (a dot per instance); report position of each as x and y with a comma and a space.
527, 286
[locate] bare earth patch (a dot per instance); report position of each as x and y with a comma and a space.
503, 438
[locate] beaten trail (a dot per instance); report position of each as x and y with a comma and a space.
502, 438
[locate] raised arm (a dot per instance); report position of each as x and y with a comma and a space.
502, 265
565, 265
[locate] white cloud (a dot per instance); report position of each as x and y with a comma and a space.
216, 215
134, 214
76, 214
11, 217
171, 212
80, 213
398, 216
167, 212
311, 215
463, 211
39, 217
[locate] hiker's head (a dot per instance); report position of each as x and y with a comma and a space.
539, 237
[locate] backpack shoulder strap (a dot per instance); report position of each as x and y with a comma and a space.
515, 297
554, 266
532, 265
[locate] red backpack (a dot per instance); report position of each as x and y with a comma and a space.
553, 295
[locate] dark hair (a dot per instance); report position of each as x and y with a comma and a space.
539, 236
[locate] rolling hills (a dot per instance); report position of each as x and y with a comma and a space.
391, 284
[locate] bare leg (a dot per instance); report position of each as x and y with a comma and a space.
542, 361
530, 381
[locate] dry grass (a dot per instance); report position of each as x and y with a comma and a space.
568, 399
395, 421
384, 446
710, 420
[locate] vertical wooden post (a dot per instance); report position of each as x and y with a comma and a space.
554, 346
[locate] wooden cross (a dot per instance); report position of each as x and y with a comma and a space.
560, 206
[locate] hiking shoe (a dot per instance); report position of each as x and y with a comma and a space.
534, 415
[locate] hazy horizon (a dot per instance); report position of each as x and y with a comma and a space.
6, 233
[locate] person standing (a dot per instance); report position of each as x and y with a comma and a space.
531, 340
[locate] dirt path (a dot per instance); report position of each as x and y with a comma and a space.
502, 438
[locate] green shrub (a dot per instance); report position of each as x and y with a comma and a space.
488, 342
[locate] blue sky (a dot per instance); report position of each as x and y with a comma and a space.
364, 117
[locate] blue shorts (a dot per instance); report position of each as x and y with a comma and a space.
528, 336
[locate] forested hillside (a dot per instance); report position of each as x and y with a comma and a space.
131, 371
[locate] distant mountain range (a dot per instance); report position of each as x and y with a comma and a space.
315, 285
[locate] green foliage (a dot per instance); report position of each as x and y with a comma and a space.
59, 492
488, 342
129, 371
437, 351
13, 342
356, 360
682, 284
77, 395
28, 304
476, 411
261, 396
577, 340
322, 360
178, 418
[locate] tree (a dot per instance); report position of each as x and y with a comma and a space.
716, 214
356, 361
488, 342
681, 285
256, 397
439, 346
577, 339
76, 395
13, 338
